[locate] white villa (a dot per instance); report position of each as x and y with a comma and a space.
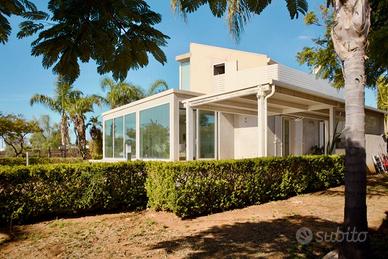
233, 104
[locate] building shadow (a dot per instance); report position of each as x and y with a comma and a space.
254, 239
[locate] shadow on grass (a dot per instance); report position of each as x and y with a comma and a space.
379, 239
377, 185
254, 239
267, 239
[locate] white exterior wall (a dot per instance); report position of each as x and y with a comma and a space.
226, 136
245, 136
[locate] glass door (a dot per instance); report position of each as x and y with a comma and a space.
206, 134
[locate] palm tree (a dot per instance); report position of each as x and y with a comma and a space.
77, 109
349, 36
121, 93
95, 145
64, 94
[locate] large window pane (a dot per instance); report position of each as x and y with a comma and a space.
155, 132
185, 76
130, 133
182, 134
118, 138
206, 134
108, 138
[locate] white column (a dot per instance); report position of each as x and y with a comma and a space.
327, 135
261, 114
189, 133
331, 123
137, 135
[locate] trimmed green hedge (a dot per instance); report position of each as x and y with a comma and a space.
204, 187
46, 191
187, 188
14, 161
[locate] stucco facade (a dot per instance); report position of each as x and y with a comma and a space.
235, 104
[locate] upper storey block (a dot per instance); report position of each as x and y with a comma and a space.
205, 68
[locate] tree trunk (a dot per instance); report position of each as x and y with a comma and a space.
65, 139
80, 128
350, 31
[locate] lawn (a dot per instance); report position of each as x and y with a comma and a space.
257, 231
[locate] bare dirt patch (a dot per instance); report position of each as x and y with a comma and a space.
266, 230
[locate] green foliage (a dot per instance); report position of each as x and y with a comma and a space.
77, 109
186, 188
238, 12
95, 144
322, 59
15, 161
23, 8
62, 99
14, 129
117, 35
44, 191
204, 187
382, 99
49, 137
121, 93
155, 139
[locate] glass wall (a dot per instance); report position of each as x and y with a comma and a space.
207, 134
130, 133
185, 76
118, 138
155, 132
108, 138
182, 134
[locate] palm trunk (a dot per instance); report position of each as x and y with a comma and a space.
350, 31
355, 217
65, 139
80, 127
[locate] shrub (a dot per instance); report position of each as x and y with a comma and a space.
14, 161
29, 193
203, 187
44, 191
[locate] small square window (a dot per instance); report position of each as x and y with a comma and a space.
219, 69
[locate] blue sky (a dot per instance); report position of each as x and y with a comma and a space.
272, 33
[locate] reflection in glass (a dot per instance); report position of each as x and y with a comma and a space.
118, 138
182, 134
130, 133
206, 134
108, 138
185, 76
155, 132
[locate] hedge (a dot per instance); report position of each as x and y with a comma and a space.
204, 187
14, 161
30, 193
46, 191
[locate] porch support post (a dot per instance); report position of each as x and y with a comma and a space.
327, 135
262, 95
189, 132
331, 123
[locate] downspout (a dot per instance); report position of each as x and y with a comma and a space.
266, 118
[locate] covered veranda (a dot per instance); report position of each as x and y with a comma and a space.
271, 103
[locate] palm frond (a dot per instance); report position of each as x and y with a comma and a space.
157, 87
238, 11
46, 101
